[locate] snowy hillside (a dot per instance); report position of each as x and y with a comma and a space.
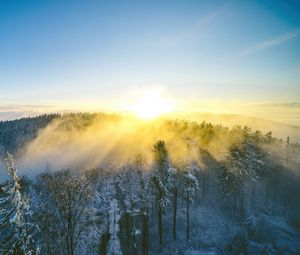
102, 184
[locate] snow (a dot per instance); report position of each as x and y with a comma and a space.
199, 252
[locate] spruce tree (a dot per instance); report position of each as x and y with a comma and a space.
15, 215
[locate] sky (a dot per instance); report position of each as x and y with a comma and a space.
216, 56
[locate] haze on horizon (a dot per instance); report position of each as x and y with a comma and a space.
209, 56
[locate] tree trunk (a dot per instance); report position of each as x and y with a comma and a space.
69, 234
67, 241
72, 248
188, 217
175, 213
133, 236
127, 231
104, 243
160, 222
145, 232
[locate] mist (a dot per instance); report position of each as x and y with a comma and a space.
85, 141
81, 143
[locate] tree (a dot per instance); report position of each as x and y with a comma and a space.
244, 161
108, 206
161, 179
96, 239
129, 197
146, 204
175, 188
190, 186
63, 201
15, 215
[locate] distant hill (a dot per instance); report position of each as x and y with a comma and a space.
15, 133
279, 130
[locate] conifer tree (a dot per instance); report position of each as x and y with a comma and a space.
15, 215
190, 186
162, 176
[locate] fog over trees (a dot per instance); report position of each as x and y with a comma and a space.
183, 188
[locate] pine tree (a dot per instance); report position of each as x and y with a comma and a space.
244, 161
15, 215
108, 206
190, 186
175, 200
130, 203
161, 179
146, 203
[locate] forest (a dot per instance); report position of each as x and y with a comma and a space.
84, 183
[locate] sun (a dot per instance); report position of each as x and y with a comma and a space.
151, 105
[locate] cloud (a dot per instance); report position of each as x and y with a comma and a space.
209, 18
10, 112
287, 104
284, 38
192, 30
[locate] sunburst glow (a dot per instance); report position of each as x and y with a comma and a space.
151, 105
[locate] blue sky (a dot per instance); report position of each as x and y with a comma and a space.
58, 53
